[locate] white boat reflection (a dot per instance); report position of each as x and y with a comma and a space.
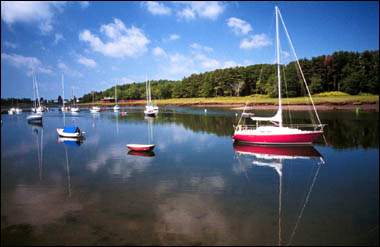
75, 142
274, 157
39, 131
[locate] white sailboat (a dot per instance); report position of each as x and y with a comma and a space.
74, 108
278, 133
37, 116
94, 109
63, 108
116, 107
150, 110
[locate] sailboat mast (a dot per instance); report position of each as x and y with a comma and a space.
34, 94
115, 96
38, 96
63, 93
278, 68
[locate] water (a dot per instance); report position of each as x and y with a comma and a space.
195, 188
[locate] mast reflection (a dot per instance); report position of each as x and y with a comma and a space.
274, 157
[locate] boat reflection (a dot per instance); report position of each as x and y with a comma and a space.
274, 157
284, 152
38, 129
75, 142
35, 123
140, 153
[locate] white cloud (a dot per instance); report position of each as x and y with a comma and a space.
157, 8
257, 41
29, 63
174, 37
171, 37
84, 4
125, 42
86, 61
41, 13
203, 9
230, 64
10, 45
239, 26
58, 37
158, 51
187, 13
285, 54
68, 71
180, 64
197, 47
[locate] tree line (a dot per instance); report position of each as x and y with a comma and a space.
349, 72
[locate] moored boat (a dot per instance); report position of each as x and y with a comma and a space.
72, 131
141, 147
278, 133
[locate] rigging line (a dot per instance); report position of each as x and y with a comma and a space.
306, 201
243, 112
299, 66
287, 96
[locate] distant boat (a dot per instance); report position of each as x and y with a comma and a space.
150, 110
12, 111
116, 107
37, 115
94, 108
278, 134
72, 131
74, 108
18, 110
63, 108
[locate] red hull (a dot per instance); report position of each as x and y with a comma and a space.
140, 147
304, 138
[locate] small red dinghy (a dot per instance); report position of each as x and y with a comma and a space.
140, 147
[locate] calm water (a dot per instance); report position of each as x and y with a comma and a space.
196, 188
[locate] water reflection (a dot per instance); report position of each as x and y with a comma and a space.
39, 131
75, 142
143, 154
274, 157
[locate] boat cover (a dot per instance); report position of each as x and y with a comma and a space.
71, 129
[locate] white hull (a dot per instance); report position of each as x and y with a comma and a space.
73, 135
34, 117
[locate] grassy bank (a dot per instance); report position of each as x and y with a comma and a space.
260, 99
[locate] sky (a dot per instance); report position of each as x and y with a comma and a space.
97, 45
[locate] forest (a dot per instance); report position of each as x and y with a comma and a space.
349, 72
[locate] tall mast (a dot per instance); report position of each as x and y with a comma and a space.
63, 93
115, 96
278, 68
38, 96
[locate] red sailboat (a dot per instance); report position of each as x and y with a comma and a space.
278, 133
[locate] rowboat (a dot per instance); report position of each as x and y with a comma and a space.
70, 132
140, 147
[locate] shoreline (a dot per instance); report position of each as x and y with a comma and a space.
267, 106
362, 106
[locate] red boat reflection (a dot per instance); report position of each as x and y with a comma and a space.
144, 153
307, 151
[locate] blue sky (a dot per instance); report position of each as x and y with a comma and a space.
98, 45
